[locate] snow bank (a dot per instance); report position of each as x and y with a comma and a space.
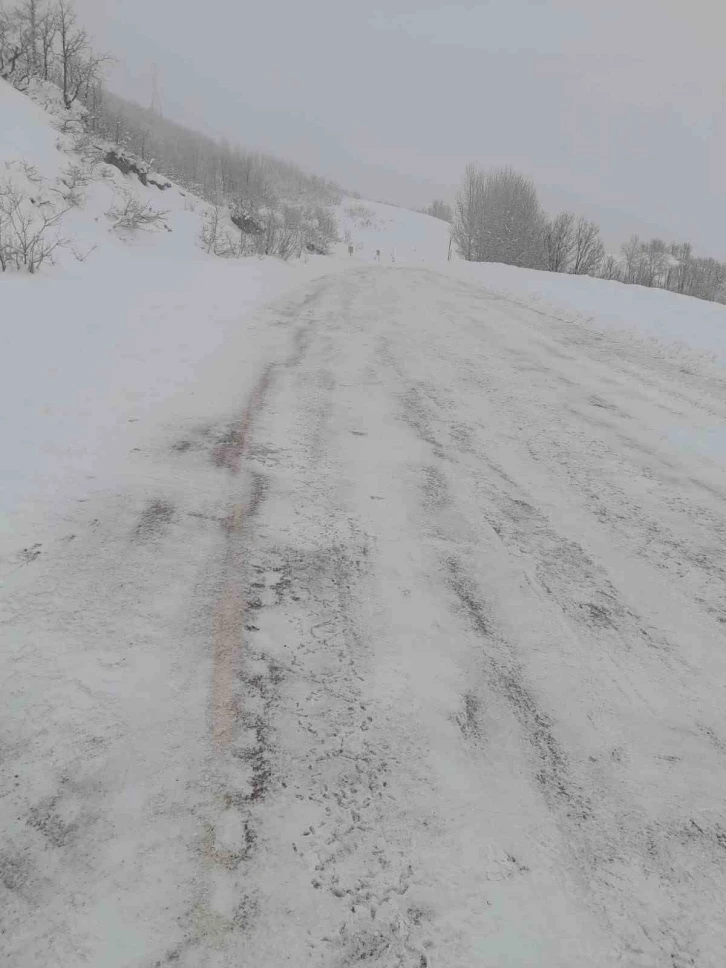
671, 319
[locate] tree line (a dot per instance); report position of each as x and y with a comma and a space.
498, 218
212, 169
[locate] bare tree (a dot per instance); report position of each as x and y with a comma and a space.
47, 33
469, 213
27, 37
30, 14
632, 260
73, 44
498, 218
14, 47
80, 67
512, 226
559, 242
680, 268
589, 250
655, 263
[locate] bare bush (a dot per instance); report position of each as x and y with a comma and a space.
30, 171
363, 216
211, 230
28, 231
132, 214
284, 229
218, 237
320, 230
280, 234
72, 184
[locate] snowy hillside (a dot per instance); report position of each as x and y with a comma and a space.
400, 235
100, 348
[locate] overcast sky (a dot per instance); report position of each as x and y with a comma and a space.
616, 108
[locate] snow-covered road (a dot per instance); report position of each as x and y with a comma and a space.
416, 660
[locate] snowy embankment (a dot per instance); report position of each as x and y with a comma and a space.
681, 322
127, 331
650, 322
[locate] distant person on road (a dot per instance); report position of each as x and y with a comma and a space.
378, 255
350, 250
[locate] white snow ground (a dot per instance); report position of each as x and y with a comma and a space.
355, 614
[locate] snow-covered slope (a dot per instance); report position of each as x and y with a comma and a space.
26, 132
400, 235
99, 349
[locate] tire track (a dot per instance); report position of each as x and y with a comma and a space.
602, 829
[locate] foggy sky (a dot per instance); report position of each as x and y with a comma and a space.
616, 108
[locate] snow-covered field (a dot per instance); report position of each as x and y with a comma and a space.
354, 613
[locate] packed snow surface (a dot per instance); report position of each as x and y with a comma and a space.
354, 613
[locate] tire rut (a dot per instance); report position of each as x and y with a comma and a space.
603, 832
